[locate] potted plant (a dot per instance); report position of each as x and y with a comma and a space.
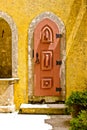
76, 102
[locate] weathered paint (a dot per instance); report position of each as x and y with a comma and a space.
23, 12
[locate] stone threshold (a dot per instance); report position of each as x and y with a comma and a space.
59, 109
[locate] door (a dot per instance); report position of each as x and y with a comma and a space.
47, 59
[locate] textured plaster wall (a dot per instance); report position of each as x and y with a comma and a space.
22, 13
76, 78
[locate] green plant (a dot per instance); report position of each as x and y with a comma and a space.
77, 97
79, 123
76, 102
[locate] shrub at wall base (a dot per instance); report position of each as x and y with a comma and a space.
76, 102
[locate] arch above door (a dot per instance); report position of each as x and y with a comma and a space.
46, 30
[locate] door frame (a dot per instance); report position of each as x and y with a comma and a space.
61, 27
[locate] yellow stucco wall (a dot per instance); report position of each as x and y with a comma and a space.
22, 13
77, 58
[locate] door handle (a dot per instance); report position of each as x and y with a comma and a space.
37, 58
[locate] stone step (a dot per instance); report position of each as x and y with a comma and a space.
59, 109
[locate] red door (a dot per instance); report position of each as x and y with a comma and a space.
47, 59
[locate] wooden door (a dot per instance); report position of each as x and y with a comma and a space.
47, 59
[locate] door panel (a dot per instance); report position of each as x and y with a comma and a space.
46, 57
46, 60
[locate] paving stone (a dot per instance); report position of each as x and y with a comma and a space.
59, 122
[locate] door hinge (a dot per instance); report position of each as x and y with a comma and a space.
58, 35
58, 62
33, 53
58, 89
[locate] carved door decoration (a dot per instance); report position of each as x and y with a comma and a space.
47, 59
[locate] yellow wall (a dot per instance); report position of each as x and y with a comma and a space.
77, 58
22, 13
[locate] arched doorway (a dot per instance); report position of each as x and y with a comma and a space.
48, 31
5, 50
8, 62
